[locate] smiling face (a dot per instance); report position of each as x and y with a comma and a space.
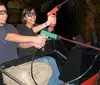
3, 15
30, 18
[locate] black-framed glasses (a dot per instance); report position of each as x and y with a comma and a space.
31, 14
2, 12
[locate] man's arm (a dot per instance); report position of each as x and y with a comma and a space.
26, 41
22, 39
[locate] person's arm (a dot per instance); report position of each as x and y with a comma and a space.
51, 19
28, 45
40, 27
26, 41
20, 38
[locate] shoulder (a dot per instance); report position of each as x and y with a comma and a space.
10, 28
9, 25
20, 28
20, 25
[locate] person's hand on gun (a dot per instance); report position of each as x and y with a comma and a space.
51, 20
40, 41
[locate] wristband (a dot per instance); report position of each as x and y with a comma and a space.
46, 24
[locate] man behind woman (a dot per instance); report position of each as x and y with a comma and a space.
9, 41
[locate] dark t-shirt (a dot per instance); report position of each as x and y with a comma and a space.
24, 30
8, 49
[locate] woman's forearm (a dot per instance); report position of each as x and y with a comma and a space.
26, 45
40, 27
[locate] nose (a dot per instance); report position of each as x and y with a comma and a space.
5, 15
33, 17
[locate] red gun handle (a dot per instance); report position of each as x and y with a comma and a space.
52, 25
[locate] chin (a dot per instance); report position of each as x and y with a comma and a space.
4, 23
33, 23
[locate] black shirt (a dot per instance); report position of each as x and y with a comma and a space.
24, 30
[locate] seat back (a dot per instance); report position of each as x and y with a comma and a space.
79, 62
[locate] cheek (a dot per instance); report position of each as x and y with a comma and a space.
3, 18
0, 20
32, 20
35, 17
6, 17
28, 20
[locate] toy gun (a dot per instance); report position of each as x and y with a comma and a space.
55, 36
49, 34
54, 11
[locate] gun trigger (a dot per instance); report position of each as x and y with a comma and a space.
49, 38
